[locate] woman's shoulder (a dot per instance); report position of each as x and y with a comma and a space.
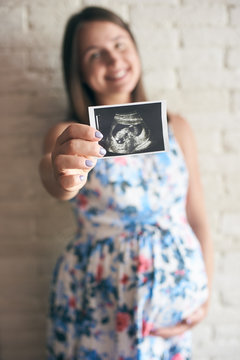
179, 123
182, 131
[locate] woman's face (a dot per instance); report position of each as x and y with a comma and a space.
109, 61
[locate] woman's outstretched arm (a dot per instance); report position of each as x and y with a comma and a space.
70, 151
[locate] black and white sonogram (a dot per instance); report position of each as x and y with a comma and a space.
128, 134
133, 128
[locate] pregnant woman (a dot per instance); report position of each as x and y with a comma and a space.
137, 276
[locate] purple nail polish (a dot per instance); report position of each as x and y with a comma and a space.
81, 177
98, 134
88, 163
102, 151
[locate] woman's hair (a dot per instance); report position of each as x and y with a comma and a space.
79, 94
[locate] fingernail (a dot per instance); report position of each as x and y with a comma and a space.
88, 163
81, 177
102, 151
188, 321
98, 134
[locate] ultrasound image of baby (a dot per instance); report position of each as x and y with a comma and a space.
128, 134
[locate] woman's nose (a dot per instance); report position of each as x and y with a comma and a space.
112, 57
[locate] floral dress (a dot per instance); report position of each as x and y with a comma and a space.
134, 265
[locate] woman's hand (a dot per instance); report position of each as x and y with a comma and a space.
70, 152
75, 153
186, 324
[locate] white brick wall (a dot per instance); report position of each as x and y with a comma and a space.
192, 60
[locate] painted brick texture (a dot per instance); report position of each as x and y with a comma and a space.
190, 51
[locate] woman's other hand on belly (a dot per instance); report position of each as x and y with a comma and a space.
185, 325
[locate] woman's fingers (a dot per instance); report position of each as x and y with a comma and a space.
75, 154
73, 165
180, 328
71, 171
81, 148
72, 182
79, 131
197, 316
167, 332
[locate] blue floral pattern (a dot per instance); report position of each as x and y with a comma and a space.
134, 265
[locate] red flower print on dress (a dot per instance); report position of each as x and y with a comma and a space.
122, 321
72, 302
180, 272
177, 357
146, 328
120, 160
82, 200
99, 272
143, 264
124, 279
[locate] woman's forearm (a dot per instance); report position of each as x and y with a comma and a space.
203, 235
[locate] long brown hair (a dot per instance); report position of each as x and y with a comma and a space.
80, 96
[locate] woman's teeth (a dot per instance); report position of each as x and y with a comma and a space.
118, 75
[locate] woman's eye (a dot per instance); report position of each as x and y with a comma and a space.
120, 45
95, 55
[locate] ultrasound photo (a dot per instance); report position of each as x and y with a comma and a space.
134, 128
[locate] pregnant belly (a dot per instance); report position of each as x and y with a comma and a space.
155, 272
173, 291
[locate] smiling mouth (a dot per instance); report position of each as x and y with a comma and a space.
118, 75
